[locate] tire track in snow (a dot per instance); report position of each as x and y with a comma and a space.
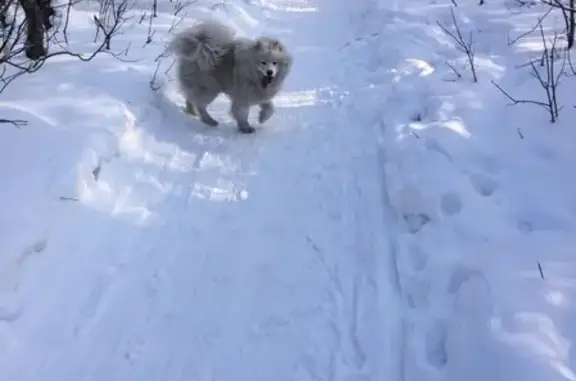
337, 296
344, 270
356, 198
376, 290
365, 240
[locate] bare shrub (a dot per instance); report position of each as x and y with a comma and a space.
549, 81
466, 46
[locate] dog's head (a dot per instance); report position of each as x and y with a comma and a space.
272, 59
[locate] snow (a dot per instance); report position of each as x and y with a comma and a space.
391, 222
480, 187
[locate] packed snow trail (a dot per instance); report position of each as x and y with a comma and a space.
230, 257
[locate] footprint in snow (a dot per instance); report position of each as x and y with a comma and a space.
450, 203
483, 184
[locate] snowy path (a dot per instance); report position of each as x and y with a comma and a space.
257, 257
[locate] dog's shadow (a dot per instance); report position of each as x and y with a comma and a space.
217, 157
170, 104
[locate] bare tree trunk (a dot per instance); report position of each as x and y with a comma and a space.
4, 5
38, 15
569, 15
47, 12
572, 24
35, 39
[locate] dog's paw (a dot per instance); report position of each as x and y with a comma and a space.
264, 116
266, 112
246, 129
209, 121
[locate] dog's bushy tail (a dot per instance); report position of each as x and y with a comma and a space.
204, 44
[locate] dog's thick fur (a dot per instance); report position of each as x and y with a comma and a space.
212, 60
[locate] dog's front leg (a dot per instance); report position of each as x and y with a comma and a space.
240, 112
266, 111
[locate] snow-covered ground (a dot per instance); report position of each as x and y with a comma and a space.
391, 222
481, 189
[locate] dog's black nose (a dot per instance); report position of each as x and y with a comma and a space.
269, 73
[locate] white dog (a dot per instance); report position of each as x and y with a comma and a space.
212, 60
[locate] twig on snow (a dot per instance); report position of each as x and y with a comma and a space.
15, 122
540, 270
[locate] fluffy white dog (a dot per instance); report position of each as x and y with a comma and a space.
212, 60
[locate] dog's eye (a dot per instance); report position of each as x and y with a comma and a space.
274, 63
263, 63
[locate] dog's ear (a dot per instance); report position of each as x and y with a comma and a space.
275, 44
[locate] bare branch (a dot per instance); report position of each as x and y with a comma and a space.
15, 122
540, 19
569, 16
518, 101
465, 46
456, 72
548, 81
